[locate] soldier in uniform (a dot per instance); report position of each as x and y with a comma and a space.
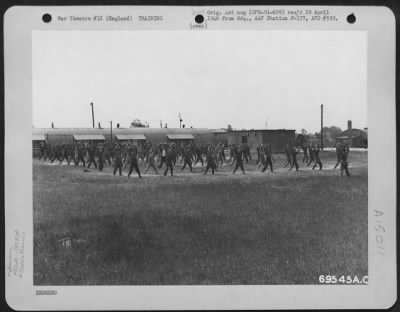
305, 154
268, 158
56, 153
80, 154
169, 161
133, 158
64, 152
163, 155
344, 165
311, 153
316, 151
210, 160
118, 159
42, 148
151, 154
107, 154
289, 152
294, 152
100, 156
91, 153
339, 148
239, 159
187, 159
198, 155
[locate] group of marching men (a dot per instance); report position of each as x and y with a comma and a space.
154, 156
311, 156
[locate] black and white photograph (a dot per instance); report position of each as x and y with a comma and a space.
154, 164
229, 147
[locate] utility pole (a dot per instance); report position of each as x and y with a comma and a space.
92, 114
322, 126
111, 130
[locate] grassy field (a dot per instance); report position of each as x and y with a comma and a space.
258, 228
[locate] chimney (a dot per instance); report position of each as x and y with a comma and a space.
350, 132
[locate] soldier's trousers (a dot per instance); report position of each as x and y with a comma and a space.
337, 162
134, 164
288, 161
118, 166
268, 163
344, 166
239, 164
310, 161
187, 161
92, 160
163, 158
210, 165
169, 167
101, 164
317, 162
151, 165
80, 159
295, 164
42, 154
199, 158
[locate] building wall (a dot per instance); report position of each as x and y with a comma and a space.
277, 138
154, 135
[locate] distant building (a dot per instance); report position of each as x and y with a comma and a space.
277, 138
354, 137
135, 135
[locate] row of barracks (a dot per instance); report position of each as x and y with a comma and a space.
277, 138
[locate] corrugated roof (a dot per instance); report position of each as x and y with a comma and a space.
89, 137
180, 137
38, 137
134, 137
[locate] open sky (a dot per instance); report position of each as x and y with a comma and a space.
249, 79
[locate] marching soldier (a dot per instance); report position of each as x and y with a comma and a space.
42, 148
268, 156
198, 155
150, 160
305, 154
56, 153
239, 159
80, 154
118, 159
339, 149
100, 156
316, 151
91, 154
311, 153
294, 151
344, 165
187, 159
107, 154
288, 156
64, 152
133, 158
210, 161
169, 161
163, 155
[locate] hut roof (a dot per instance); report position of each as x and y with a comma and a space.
180, 137
38, 137
134, 137
89, 137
